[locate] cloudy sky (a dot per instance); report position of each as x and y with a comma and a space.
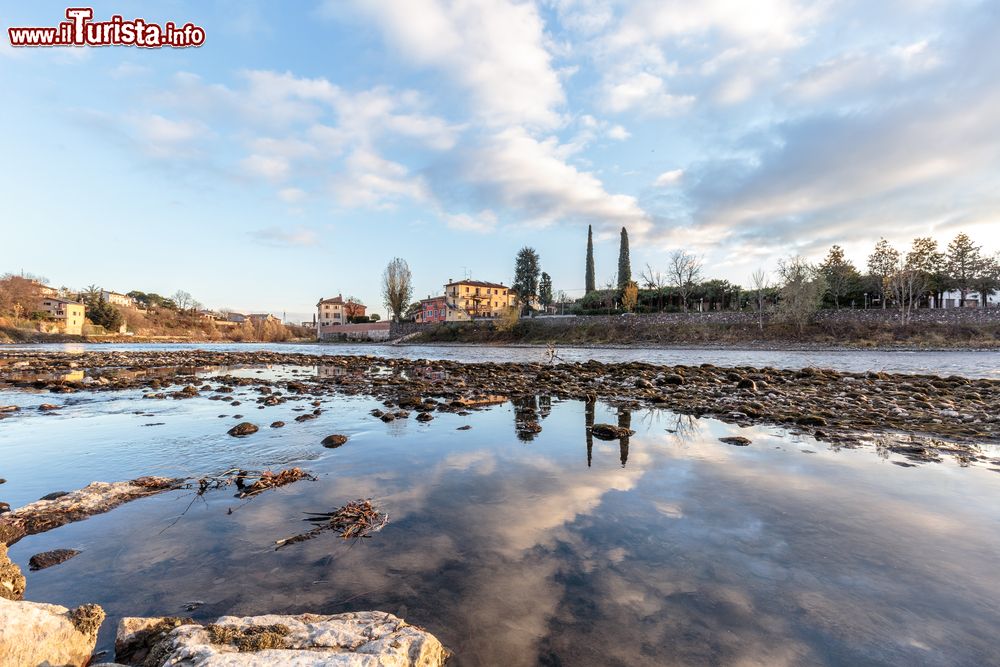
305, 145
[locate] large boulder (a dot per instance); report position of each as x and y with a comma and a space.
34, 633
358, 639
11, 578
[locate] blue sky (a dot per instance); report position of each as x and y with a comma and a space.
306, 144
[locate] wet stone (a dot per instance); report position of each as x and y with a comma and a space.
242, 429
50, 558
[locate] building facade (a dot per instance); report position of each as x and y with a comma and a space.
116, 299
335, 312
70, 313
432, 309
470, 299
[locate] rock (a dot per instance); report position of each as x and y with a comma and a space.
47, 407
9, 408
11, 578
95, 498
464, 428
388, 417
424, 417
306, 417
334, 441
530, 426
242, 429
610, 431
747, 383
33, 633
277, 424
50, 558
367, 638
673, 378
737, 440
811, 420
4, 507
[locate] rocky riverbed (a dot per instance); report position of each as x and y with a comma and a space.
952, 413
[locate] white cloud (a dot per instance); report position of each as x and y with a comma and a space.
292, 195
669, 178
271, 168
371, 180
494, 49
644, 92
618, 133
514, 171
288, 237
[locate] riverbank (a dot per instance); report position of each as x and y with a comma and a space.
846, 329
839, 406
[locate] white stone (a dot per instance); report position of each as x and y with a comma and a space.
34, 633
358, 639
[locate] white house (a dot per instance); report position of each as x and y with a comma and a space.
952, 298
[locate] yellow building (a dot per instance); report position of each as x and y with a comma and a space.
69, 312
469, 299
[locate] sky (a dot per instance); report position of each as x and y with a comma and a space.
306, 144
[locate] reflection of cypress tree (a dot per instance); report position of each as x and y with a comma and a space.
588, 419
624, 421
544, 406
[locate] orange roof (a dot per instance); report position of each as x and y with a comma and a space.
477, 283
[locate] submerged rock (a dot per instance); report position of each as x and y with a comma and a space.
356, 639
610, 431
242, 429
737, 440
50, 558
32, 633
334, 441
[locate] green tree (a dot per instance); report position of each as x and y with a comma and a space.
591, 279
526, 269
963, 262
840, 275
545, 290
987, 278
101, 312
624, 262
925, 258
882, 265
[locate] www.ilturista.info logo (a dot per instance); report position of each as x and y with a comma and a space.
80, 30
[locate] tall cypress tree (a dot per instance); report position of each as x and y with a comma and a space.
624, 263
591, 282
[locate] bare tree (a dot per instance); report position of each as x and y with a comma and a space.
683, 272
906, 285
183, 300
654, 280
397, 287
353, 307
802, 291
760, 285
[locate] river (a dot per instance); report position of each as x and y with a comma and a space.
968, 363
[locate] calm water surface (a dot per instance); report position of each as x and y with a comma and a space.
665, 548
953, 362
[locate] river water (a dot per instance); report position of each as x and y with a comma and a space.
968, 363
665, 548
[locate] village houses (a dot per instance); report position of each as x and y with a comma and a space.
471, 299
69, 313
